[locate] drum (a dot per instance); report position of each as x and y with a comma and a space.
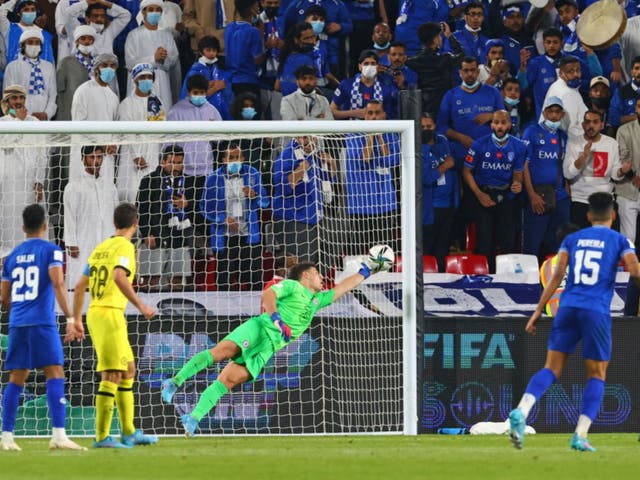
601, 24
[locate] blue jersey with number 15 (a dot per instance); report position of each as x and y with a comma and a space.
594, 256
27, 271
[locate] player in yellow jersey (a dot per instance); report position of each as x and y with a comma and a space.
109, 275
549, 266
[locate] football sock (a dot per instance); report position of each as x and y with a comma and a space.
208, 399
10, 401
591, 400
56, 401
105, 399
197, 363
124, 402
539, 383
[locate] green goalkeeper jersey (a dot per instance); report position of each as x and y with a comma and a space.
297, 304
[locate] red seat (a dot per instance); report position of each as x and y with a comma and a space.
429, 264
467, 264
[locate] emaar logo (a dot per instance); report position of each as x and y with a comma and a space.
469, 350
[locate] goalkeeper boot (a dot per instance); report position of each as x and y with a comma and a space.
10, 445
65, 444
109, 442
190, 424
138, 438
581, 444
517, 423
169, 388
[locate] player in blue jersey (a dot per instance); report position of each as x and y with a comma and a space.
592, 255
32, 280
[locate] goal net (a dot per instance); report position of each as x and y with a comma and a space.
224, 210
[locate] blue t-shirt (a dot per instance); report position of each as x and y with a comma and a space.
541, 73
459, 108
623, 103
243, 43
343, 95
370, 185
493, 165
26, 268
594, 255
543, 148
444, 187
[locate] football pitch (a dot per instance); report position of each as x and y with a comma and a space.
351, 457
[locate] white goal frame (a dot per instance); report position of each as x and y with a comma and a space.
405, 129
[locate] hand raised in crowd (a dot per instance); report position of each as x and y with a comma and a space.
581, 161
446, 30
161, 54
249, 192
333, 27
525, 55
19, 112
140, 163
616, 76
482, 118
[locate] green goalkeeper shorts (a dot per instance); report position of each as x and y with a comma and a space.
256, 347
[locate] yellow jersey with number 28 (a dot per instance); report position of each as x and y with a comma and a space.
112, 253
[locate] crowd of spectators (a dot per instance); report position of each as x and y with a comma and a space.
521, 122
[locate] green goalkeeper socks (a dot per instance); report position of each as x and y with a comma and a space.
198, 362
208, 399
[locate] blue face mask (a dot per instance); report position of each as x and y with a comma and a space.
575, 83
107, 74
471, 86
145, 85
512, 102
318, 27
233, 168
553, 126
499, 139
28, 17
248, 113
198, 100
153, 18
381, 47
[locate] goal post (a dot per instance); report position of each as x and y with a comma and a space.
354, 371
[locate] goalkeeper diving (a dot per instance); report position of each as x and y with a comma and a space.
289, 309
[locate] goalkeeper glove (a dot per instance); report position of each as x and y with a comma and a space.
285, 330
365, 270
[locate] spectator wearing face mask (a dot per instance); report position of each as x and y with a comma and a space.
36, 75
198, 156
15, 17
353, 94
600, 101
219, 90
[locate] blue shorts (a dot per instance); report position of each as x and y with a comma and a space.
574, 324
33, 347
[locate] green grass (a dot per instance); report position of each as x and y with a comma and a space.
545, 457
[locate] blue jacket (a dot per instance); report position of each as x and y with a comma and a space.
213, 205
221, 98
302, 203
370, 185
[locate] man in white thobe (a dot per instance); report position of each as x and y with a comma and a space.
149, 44
37, 76
22, 170
94, 100
87, 201
138, 158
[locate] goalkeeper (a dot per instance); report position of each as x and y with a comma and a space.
289, 308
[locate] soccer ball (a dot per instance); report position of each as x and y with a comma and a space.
382, 256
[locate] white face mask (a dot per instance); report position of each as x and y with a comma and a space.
85, 49
98, 27
369, 71
32, 51
207, 61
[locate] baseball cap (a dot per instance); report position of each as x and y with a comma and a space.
551, 101
599, 79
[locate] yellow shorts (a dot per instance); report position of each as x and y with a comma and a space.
108, 331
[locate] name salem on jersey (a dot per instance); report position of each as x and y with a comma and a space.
29, 258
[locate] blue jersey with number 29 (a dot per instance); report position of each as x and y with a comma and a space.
594, 256
27, 271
